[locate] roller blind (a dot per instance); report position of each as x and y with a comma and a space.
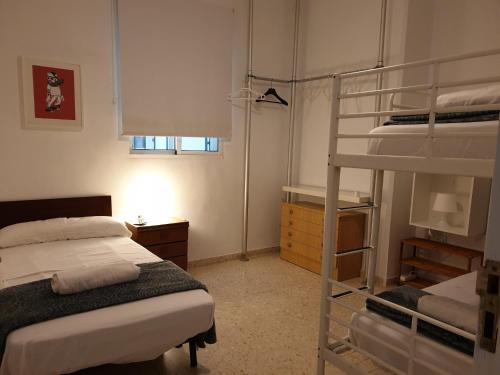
175, 63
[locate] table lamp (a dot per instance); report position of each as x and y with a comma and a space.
445, 204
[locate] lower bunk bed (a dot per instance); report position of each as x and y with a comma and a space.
448, 352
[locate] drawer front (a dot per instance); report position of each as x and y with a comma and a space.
181, 261
299, 260
162, 236
169, 250
302, 237
313, 216
291, 211
301, 249
304, 226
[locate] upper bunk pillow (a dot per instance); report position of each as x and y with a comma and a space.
482, 95
61, 229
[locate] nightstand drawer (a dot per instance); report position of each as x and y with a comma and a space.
169, 250
162, 236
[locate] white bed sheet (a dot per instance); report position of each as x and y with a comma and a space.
131, 332
473, 148
462, 289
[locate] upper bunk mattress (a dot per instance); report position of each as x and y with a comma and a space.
131, 332
471, 148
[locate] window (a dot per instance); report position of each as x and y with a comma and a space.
173, 145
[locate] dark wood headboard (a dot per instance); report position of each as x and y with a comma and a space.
14, 212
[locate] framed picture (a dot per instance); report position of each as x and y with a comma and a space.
51, 95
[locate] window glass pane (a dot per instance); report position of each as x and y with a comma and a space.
139, 143
200, 144
150, 143
193, 144
153, 143
160, 143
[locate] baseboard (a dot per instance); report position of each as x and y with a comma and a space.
225, 258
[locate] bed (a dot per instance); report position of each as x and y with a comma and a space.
461, 289
137, 331
478, 122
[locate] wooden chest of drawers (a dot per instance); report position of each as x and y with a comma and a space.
168, 240
302, 238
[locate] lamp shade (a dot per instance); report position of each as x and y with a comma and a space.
445, 202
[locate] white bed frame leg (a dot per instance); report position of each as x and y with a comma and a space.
330, 232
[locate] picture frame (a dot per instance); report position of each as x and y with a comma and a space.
50, 95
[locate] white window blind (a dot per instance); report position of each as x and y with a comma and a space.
175, 60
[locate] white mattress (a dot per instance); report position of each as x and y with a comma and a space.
462, 289
131, 332
472, 148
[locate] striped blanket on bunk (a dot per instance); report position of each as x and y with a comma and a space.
442, 118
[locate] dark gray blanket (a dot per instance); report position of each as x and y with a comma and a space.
442, 118
35, 302
408, 297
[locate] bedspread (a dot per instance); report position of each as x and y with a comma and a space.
35, 302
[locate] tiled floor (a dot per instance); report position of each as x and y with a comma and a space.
267, 314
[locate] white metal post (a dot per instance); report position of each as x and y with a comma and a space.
293, 94
488, 363
375, 226
432, 111
248, 132
329, 232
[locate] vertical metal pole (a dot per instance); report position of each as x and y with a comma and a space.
248, 124
291, 121
372, 262
378, 105
330, 229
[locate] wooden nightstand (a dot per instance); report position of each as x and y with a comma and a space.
168, 239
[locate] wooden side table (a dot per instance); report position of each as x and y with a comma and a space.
424, 264
167, 239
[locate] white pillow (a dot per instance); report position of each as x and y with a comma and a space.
95, 227
448, 310
32, 232
61, 229
482, 95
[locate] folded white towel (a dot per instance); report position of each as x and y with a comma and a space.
459, 314
79, 279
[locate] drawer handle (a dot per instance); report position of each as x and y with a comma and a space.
290, 223
289, 234
289, 245
291, 212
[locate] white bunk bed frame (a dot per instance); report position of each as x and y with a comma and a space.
378, 163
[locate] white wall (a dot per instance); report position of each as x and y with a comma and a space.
207, 191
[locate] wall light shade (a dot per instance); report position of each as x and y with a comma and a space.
445, 202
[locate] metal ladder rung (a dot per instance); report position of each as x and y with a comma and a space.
347, 292
354, 251
367, 206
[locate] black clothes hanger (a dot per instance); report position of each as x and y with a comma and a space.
272, 92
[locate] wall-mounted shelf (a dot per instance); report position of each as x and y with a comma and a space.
470, 193
320, 192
